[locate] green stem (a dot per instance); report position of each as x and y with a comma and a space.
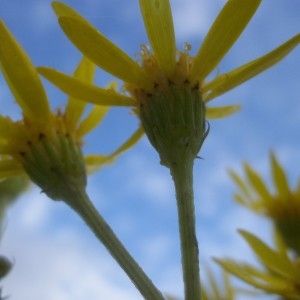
182, 174
80, 202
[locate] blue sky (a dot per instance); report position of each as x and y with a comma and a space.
55, 255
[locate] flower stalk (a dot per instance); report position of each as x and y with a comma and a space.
82, 205
182, 174
173, 118
57, 165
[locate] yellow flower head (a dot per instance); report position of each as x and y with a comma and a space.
164, 63
167, 87
279, 275
281, 205
44, 144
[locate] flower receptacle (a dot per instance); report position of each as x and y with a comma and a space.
174, 121
56, 165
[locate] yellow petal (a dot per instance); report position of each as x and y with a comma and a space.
158, 21
268, 282
225, 30
240, 200
236, 269
9, 168
270, 258
95, 162
5, 148
279, 178
75, 108
101, 51
212, 283
239, 182
230, 291
92, 120
221, 111
23, 79
8, 129
63, 10
257, 183
136, 136
84, 91
226, 82
279, 244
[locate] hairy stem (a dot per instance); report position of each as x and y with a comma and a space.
182, 173
81, 203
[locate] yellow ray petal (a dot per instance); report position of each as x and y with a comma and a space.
136, 136
212, 283
240, 200
255, 277
221, 111
95, 162
63, 10
281, 247
270, 258
5, 148
257, 183
279, 178
23, 79
8, 129
226, 82
9, 168
158, 21
225, 30
240, 183
92, 120
101, 51
84, 91
75, 108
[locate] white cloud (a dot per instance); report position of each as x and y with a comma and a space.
148, 178
33, 211
61, 266
66, 262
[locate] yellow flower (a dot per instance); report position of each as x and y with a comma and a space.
165, 64
43, 144
280, 274
164, 86
281, 205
